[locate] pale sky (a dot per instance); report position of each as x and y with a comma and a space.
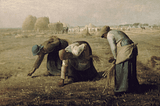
80, 12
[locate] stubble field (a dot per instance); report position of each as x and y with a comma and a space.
16, 61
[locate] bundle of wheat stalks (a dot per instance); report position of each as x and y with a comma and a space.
110, 74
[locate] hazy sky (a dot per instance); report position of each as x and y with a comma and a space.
80, 12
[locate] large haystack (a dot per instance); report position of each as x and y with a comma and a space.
85, 32
65, 25
29, 22
51, 26
90, 26
42, 23
56, 27
86, 26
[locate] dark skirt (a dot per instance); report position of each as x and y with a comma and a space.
126, 73
53, 61
85, 75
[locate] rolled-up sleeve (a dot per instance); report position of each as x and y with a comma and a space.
65, 62
64, 68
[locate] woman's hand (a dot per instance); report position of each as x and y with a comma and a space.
111, 59
33, 70
29, 74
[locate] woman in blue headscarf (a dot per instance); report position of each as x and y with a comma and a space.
50, 47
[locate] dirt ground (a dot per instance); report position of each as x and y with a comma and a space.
16, 61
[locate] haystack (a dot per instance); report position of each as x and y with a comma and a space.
86, 26
31, 35
42, 23
29, 22
90, 26
7, 34
21, 36
51, 26
38, 36
65, 25
56, 27
85, 32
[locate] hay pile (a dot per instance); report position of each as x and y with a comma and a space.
21, 36
65, 25
41, 23
85, 32
90, 26
6, 34
31, 35
29, 22
38, 36
56, 27
51, 26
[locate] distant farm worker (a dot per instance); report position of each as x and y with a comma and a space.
125, 53
50, 47
77, 63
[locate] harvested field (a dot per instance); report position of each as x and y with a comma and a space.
16, 60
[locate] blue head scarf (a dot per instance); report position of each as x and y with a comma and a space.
36, 49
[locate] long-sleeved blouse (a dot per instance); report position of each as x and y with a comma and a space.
113, 37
